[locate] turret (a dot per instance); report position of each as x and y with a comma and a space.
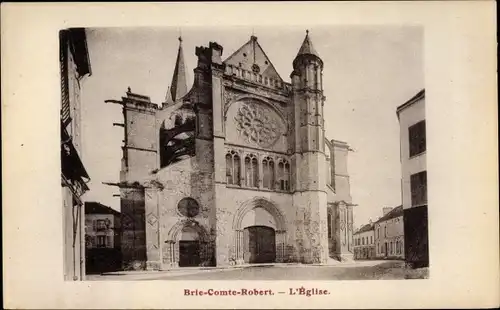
308, 97
310, 199
307, 68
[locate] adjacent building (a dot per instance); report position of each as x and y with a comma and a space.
235, 169
364, 242
411, 116
74, 65
102, 238
389, 234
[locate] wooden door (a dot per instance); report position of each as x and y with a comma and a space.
260, 244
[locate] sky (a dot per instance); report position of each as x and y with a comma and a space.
368, 72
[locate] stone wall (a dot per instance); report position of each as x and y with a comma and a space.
133, 228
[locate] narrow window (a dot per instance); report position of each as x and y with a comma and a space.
237, 169
255, 168
248, 172
287, 177
265, 170
329, 225
418, 185
281, 175
417, 138
229, 169
272, 178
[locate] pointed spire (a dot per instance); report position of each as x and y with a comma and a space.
168, 97
307, 47
179, 84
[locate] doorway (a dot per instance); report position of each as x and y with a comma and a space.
189, 248
260, 244
189, 253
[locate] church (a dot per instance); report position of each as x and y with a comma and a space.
235, 169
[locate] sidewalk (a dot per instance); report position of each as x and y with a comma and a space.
138, 275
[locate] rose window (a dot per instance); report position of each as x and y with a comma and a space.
258, 125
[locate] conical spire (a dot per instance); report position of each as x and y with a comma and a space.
179, 84
168, 97
307, 47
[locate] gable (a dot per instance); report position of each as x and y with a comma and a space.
252, 57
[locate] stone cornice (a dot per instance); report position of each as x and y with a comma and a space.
254, 88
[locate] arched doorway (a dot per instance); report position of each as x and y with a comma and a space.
260, 244
260, 233
189, 248
187, 245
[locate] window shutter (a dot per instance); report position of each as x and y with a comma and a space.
63, 62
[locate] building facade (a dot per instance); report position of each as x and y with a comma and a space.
102, 238
74, 65
364, 242
389, 234
236, 169
411, 116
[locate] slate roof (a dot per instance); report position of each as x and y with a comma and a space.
396, 212
420, 95
365, 228
99, 208
178, 88
307, 47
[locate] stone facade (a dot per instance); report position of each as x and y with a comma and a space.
238, 170
364, 242
74, 66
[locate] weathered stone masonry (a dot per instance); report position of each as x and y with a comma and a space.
235, 170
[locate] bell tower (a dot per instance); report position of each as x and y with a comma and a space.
310, 197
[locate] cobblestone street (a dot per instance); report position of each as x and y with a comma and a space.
363, 270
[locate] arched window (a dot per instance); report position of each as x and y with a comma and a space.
237, 169
248, 172
251, 171
255, 170
284, 175
229, 169
268, 170
233, 175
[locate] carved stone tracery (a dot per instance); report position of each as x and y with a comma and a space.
258, 125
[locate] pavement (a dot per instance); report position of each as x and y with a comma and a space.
356, 270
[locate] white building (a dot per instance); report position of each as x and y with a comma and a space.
364, 242
389, 234
411, 117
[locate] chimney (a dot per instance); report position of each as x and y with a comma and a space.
386, 210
